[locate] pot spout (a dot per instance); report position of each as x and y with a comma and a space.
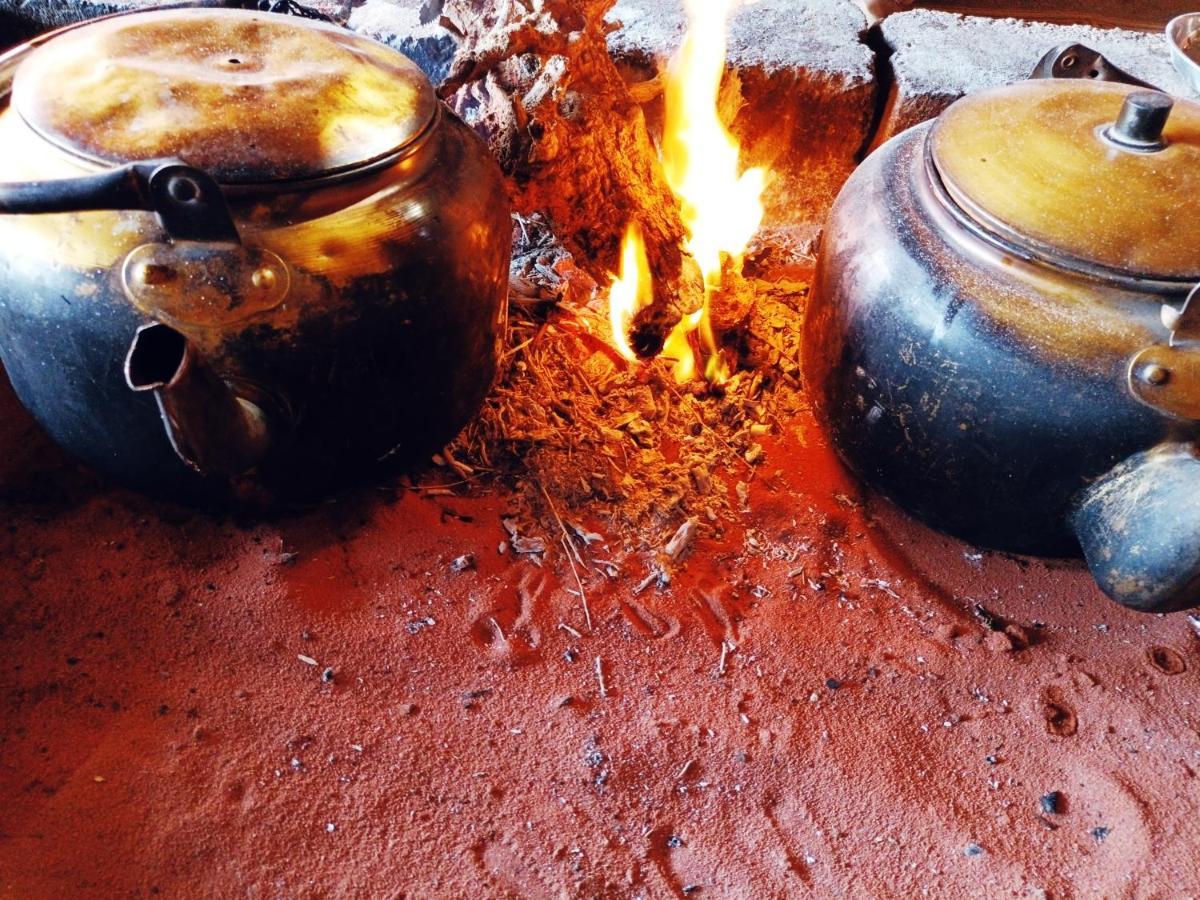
213, 430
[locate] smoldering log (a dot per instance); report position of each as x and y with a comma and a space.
535, 79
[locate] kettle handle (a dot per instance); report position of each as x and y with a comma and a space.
188, 201
1139, 528
1081, 61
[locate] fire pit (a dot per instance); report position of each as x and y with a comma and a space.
628, 635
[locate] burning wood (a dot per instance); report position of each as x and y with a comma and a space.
721, 206
535, 79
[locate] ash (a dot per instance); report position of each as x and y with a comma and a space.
580, 435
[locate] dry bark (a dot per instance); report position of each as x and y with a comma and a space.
535, 79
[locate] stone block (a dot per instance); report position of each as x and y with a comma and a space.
805, 83
398, 24
938, 57
24, 19
1141, 14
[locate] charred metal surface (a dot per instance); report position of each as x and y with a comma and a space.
981, 391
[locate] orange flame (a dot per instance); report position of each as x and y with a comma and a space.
720, 205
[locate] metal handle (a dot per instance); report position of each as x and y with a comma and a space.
189, 203
1139, 126
1080, 61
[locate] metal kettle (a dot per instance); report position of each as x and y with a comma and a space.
245, 255
1004, 335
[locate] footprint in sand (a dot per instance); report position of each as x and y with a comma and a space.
648, 623
507, 628
1058, 713
509, 870
1116, 832
1166, 660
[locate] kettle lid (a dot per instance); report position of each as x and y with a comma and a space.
248, 97
1098, 173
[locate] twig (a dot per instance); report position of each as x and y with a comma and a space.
569, 630
655, 575
571, 553
600, 677
541, 330
724, 653
587, 613
461, 468
517, 349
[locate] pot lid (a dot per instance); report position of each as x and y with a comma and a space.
1041, 164
248, 97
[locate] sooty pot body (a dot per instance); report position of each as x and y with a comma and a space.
990, 394
340, 324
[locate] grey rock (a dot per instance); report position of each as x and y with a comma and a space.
24, 19
807, 89
1109, 13
13, 28
398, 23
938, 57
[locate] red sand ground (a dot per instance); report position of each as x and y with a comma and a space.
160, 735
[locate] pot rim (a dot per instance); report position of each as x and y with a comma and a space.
11, 59
1036, 252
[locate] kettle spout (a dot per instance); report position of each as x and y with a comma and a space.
1139, 527
213, 430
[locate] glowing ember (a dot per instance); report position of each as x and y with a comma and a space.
721, 207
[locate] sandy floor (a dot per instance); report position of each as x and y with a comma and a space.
866, 734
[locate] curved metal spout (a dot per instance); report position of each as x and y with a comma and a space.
1139, 527
212, 429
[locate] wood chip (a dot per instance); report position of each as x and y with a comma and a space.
681, 542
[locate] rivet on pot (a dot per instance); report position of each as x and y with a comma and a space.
1155, 374
264, 279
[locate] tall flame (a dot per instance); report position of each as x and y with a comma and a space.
721, 206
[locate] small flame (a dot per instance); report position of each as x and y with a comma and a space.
631, 289
721, 207
678, 346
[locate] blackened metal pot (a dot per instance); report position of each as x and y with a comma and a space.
242, 254
1004, 334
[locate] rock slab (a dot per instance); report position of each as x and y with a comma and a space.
938, 57
398, 23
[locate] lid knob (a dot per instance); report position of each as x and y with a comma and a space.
1140, 125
